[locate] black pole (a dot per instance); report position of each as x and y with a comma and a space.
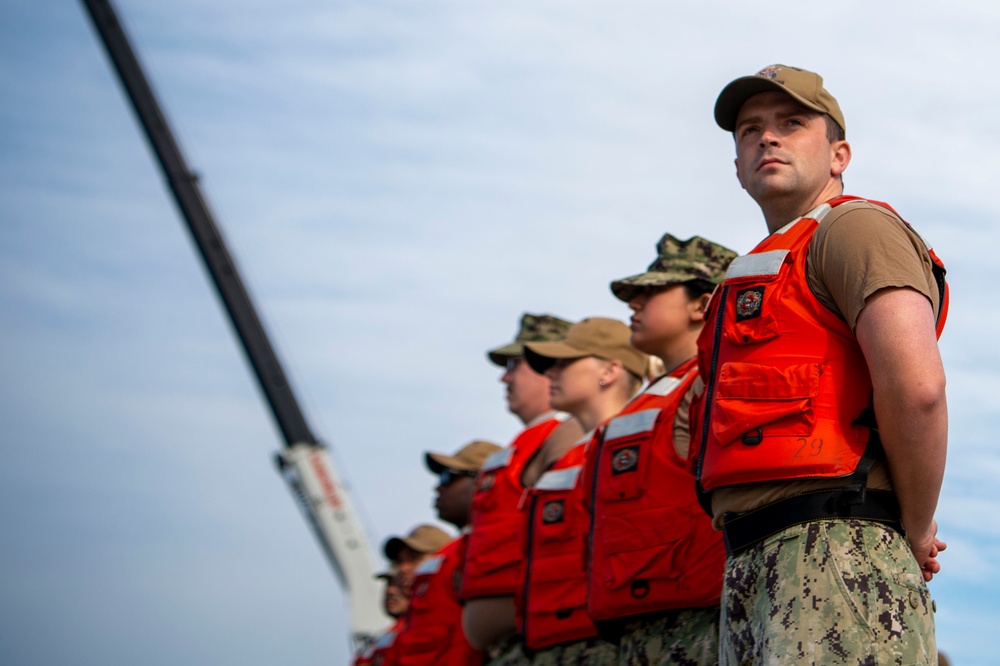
184, 186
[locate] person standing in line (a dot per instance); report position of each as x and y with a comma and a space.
491, 569
593, 372
821, 432
433, 635
405, 553
654, 563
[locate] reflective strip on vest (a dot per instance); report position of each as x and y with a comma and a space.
385, 640
498, 460
760, 264
630, 424
560, 479
663, 387
429, 566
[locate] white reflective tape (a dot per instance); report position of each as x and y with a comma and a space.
560, 479
498, 460
763, 264
429, 566
630, 424
663, 386
385, 640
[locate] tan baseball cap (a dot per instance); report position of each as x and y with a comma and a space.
423, 539
802, 85
469, 458
604, 338
676, 262
534, 328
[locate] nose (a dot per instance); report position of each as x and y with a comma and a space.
636, 303
768, 137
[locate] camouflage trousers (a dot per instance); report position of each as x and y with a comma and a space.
827, 592
507, 651
675, 638
588, 652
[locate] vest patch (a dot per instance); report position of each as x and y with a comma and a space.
748, 302
486, 481
553, 512
625, 460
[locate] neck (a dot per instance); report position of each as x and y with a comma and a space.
527, 416
677, 352
599, 411
779, 211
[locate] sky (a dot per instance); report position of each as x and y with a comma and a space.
398, 182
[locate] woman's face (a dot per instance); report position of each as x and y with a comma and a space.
574, 382
660, 315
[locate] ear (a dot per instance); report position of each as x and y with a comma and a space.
611, 372
840, 157
698, 307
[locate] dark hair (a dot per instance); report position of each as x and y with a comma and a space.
834, 132
697, 287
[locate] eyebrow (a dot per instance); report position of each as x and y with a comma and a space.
793, 109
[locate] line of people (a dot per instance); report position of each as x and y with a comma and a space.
745, 474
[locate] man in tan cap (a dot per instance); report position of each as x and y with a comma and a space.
433, 635
404, 553
822, 429
490, 574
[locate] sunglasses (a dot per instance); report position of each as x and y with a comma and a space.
448, 475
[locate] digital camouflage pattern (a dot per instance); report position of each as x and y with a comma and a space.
588, 652
827, 592
534, 328
676, 638
507, 651
678, 261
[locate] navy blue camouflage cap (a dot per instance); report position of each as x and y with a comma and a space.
534, 328
676, 262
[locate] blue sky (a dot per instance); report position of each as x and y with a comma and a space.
398, 182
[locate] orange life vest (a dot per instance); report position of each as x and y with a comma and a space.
492, 560
786, 384
433, 635
650, 545
383, 652
552, 602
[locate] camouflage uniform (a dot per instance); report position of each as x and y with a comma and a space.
678, 262
507, 651
534, 328
675, 638
588, 652
828, 592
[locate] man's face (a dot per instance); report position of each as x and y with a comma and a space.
527, 391
782, 149
455, 491
395, 602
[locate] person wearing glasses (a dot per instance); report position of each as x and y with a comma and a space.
433, 634
654, 562
593, 372
490, 574
405, 553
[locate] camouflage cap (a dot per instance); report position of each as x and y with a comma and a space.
469, 458
803, 86
678, 261
534, 328
601, 337
422, 538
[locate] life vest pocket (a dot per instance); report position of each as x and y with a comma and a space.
753, 401
558, 583
646, 545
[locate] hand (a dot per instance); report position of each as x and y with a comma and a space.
926, 549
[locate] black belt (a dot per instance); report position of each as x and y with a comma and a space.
744, 530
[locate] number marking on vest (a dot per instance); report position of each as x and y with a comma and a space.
815, 447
